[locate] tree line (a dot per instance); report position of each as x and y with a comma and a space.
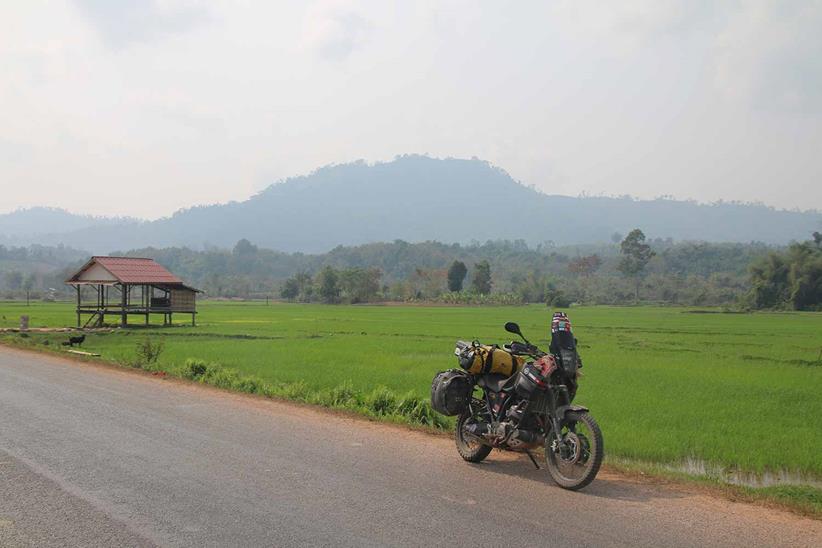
790, 278
629, 269
361, 285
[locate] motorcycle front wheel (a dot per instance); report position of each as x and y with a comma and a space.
575, 461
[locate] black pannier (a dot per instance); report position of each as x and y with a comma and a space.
451, 392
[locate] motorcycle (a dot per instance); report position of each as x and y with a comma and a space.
530, 409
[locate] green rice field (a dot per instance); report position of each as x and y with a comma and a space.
668, 385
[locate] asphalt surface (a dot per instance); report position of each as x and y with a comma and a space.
96, 456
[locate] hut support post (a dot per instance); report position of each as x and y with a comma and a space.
100, 304
123, 303
77, 287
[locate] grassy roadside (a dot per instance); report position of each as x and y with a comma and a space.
383, 404
379, 403
800, 499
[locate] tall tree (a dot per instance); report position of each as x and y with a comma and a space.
328, 285
14, 279
585, 266
482, 278
245, 248
456, 275
790, 278
635, 257
290, 289
427, 283
28, 285
360, 284
532, 287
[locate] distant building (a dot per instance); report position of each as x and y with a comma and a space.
123, 286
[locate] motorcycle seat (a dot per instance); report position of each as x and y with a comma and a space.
496, 383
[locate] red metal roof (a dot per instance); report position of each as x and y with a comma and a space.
133, 270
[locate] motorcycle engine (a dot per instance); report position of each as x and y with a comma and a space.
508, 432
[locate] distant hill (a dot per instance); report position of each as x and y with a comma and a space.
38, 224
416, 198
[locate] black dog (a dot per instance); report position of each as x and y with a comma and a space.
75, 340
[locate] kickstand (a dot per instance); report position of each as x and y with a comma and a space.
530, 456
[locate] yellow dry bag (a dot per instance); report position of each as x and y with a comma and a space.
481, 359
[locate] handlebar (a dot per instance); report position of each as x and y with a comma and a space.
519, 348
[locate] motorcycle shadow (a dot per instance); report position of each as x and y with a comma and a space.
607, 485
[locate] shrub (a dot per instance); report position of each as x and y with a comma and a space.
221, 377
472, 298
343, 395
382, 401
148, 352
418, 411
249, 385
298, 391
194, 368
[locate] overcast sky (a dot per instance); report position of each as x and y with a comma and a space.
140, 107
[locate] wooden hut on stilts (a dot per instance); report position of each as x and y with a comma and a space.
123, 286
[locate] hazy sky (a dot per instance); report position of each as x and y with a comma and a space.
139, 107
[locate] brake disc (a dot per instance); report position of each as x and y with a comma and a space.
571, 448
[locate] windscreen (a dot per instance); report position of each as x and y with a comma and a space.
563, 344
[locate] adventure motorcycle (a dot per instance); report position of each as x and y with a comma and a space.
524, 407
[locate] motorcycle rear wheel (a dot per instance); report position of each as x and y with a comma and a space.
469, 448
575, 464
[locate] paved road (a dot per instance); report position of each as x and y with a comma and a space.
94, 456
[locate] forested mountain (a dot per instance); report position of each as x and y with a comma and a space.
38, 224
416, 198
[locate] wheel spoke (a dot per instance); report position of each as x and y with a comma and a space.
576, 459
469, 446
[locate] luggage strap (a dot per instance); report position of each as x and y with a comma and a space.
488, 362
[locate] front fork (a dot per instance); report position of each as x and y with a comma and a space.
560, 395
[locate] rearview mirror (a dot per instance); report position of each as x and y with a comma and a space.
512, 327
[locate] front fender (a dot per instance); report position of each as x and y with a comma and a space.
563, 410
